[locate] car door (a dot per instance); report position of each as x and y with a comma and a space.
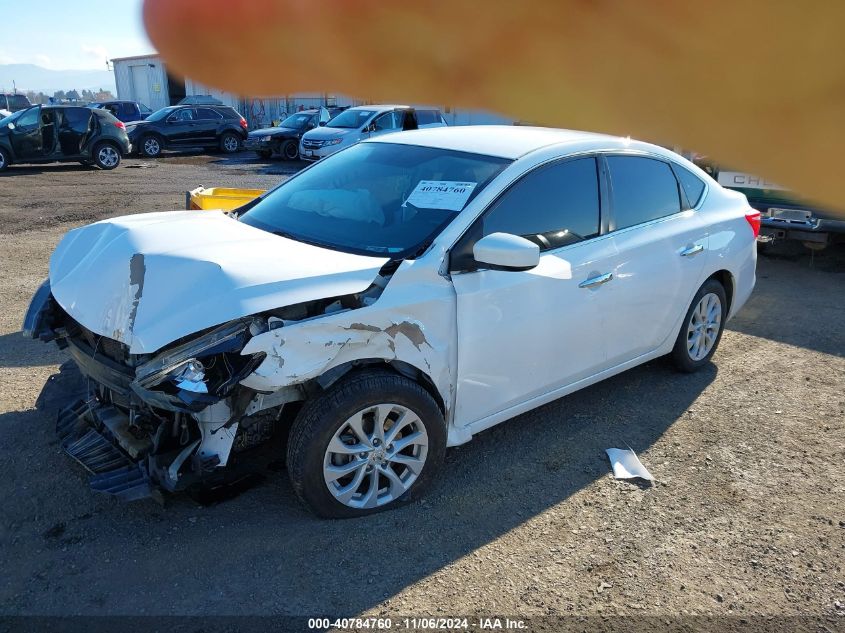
75, 127
26, 137
179, 127
661, 249
385, 123
524, 334
207, 125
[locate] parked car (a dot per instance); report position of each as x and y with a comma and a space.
784, 214
284, 139
393, 300
14, 102
188, 126
363, 122
46, 134
126, 111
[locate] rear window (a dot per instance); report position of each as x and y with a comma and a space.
228, 113
692, 184
644, 189
427, 117
206, 114
18, 102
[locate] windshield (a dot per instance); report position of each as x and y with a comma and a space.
296, 121
351, 119
376, 198
158, 115
11, 118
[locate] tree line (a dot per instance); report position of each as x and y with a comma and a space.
70, 95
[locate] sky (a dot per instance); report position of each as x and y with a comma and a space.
71, 34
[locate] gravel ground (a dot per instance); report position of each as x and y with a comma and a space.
747, 516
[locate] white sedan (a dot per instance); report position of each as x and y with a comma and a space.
384, 304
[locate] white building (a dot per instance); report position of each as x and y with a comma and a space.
144, 78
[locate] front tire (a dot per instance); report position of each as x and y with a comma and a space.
372, 441
106, 156
290, 150
4, 159
151, 146
702, 328
229, 142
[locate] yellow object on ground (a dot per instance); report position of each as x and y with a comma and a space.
225, 198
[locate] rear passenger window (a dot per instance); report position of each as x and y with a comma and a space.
552, 206
692, 184
206, 114
644, 189
427, 117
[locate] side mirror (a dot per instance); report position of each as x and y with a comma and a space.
503, 251
322, 123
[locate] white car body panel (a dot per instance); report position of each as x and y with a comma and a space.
493, 343
204, 267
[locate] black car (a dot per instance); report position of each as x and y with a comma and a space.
284, 139
126, 111
14, 102
46, 134
188, 126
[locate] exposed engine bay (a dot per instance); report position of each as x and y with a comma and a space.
180, 417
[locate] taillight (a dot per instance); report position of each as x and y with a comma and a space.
243, 123
754, 220
120, 124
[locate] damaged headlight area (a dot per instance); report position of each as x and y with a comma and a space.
179, 417
200, 372
161, 421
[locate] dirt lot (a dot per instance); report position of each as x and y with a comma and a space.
747, 516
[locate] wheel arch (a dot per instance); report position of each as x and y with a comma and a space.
400, 367
726, 278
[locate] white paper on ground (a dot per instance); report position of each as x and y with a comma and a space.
626, 464
441, 194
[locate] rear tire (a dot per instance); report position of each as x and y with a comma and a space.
4, 159
702, 328
290, 150
106, 156
411, 445
230, 143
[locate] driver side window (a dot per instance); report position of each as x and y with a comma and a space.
28, 119
553, 206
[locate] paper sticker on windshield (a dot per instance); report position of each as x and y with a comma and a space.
441, 194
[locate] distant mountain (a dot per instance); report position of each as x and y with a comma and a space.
32, 77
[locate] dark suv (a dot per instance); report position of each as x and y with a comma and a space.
188, 126
14, 102
284, 139
126, 111
45, 134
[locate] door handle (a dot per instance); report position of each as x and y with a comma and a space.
692, 250
592, 282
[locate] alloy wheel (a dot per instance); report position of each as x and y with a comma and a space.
151, 147
108, 156
375, 456
230, 144
703, 326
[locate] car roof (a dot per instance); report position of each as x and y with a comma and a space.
509, 141
379, 107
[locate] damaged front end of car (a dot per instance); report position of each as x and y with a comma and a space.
180, 417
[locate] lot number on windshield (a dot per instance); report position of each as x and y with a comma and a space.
441, 194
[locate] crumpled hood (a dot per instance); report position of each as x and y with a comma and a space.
272, 131
147, 280
134, 125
